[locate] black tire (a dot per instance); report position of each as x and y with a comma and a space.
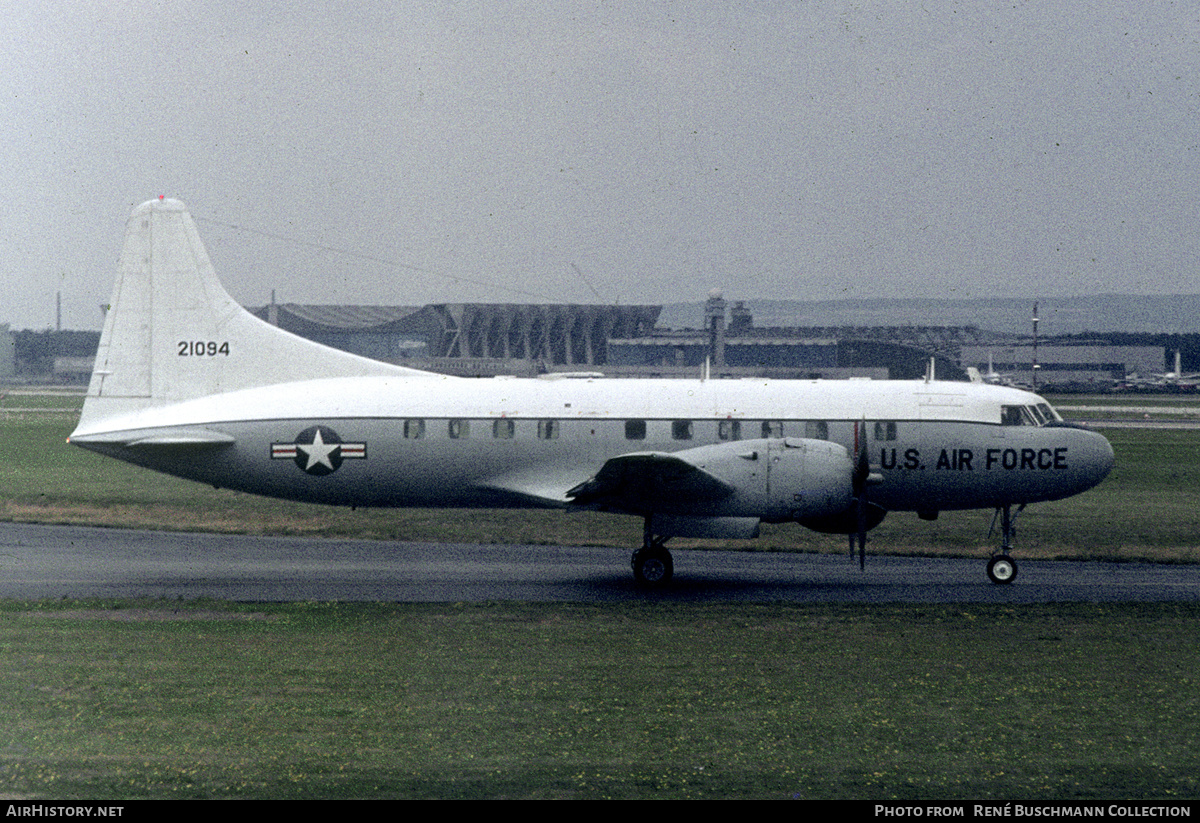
1002, 569
652, 568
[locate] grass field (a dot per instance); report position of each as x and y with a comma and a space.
203, 700
118, 700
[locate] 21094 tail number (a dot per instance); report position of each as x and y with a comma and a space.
203, 348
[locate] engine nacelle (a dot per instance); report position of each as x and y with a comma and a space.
776, 480
846, 521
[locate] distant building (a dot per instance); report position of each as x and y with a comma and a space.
73, 369
1073, 365
738, 349
474, 339
54, 356
378, 332
484, 339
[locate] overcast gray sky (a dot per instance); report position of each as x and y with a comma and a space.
582, 151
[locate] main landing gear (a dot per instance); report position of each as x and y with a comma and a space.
1002, 569
652, 565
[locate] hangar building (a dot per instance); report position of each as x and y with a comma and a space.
484, 339
471, 339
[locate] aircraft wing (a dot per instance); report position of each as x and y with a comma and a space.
647, 481
542, 486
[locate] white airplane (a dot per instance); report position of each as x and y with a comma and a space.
188, 383
1175, 378
994, 377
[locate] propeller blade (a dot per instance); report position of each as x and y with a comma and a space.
862, 471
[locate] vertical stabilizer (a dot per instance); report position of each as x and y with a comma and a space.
173, 333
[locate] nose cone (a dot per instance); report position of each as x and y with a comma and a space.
1110, 459
1093, 459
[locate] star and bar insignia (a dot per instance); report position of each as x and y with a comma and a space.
318, 450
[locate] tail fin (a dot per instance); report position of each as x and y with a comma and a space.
173, 333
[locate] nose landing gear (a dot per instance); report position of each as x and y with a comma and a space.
1001, 568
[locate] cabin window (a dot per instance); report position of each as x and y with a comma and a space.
548, 429
681, 429
503, 428
635, 429
1016, 416
729, 430
816, 430
414, 429
772, 428
885, 430
460, 429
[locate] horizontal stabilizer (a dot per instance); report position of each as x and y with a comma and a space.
168, 438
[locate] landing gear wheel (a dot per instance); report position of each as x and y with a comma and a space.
1002, 569
652, 567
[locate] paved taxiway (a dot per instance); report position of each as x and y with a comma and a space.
76, 562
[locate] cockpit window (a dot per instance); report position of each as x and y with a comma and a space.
1049, 412
1038, 415
1016, 416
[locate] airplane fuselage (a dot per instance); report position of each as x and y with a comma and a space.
382, 441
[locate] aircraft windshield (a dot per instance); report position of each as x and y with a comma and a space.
1049, 412
1016, 416
1038, 415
